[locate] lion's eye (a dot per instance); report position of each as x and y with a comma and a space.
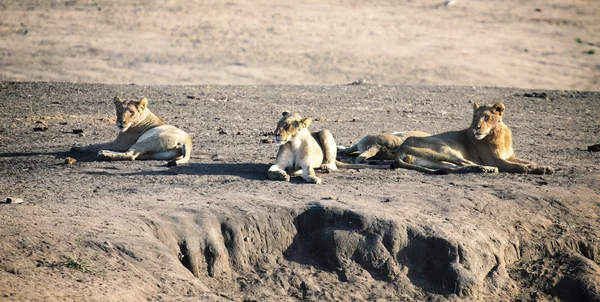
487, 117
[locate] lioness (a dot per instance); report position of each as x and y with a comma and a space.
378, 146
301, 152
142, 136
486, 146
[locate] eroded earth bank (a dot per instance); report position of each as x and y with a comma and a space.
217, 229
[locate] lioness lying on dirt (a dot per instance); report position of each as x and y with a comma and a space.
486, 146
142, 136
301, 152
378, 146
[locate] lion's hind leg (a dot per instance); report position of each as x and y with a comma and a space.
371, 151
434, 162
144, 148
327, 143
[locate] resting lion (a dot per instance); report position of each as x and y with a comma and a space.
301, 152
486, 146
142, 136
378, 146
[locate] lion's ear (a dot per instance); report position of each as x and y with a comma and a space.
143, 104
475, 106
285, 114
117, 100
498, 108
305, 122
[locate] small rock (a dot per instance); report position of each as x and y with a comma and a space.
221, 131
77, 131
42, 128
541, 95
70, 160
359, 82
13, 200
594, 148
321, 119
81, 134
266, 140
386, 200
191, 97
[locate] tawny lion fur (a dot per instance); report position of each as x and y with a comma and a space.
301, 152
142, 136
486, 146
378, 146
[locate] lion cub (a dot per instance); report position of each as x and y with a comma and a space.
142, 136
301, 152
378, 146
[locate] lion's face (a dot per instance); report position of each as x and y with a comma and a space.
129, 112
289, 126
485, 119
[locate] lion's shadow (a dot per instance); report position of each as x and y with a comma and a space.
251, 171
81, 157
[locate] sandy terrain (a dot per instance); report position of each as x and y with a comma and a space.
511, 43
217, 230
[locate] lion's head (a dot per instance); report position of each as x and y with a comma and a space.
485, 119
289, 126
130, 112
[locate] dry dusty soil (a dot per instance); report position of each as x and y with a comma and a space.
216, 229
550, 44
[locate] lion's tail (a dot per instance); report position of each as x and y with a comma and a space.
186, 153
343, 165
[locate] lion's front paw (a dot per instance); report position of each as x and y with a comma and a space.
490, 169
483, 169
540, 170
315, 180
328, 167
275, 173
103, 155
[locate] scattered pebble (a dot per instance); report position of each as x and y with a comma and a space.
266, 140
41, 128
541, 95
594, 148
13, 200
221, 131
386, 200
191, 97
77, 131
321, 119
359, 82
70, 160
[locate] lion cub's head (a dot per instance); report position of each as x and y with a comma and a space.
289, 126
485, 119
130, 112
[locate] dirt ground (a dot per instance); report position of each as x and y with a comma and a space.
539, 44
216, 229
